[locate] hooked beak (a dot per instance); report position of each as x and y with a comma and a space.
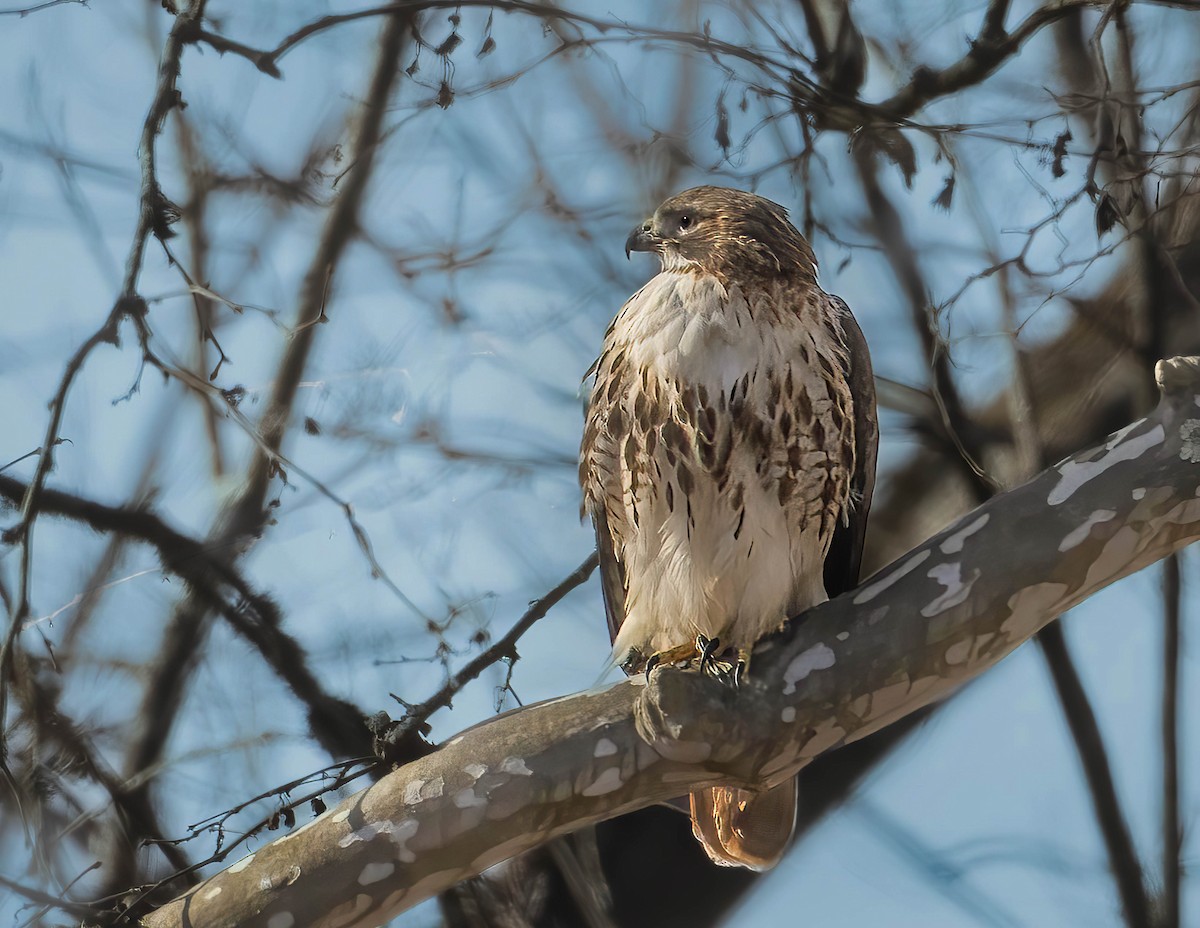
642, 238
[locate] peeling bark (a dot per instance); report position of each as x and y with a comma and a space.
912, 634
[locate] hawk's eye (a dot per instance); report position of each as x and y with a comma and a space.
685, 223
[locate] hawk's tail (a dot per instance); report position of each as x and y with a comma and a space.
742, 828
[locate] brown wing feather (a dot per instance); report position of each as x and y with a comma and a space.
844, 560
602, 405
612, 574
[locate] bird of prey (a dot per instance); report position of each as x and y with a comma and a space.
728, 460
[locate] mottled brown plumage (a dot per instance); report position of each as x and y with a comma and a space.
728, 456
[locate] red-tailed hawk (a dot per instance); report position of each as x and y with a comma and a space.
728, 459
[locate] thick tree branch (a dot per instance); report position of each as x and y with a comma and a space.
939, 616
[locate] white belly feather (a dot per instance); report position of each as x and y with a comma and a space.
718, 550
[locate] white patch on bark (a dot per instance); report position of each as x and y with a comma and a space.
466, 799
609, 781
818, 657
954, 543
376, 871
475, 771
417, 791
397, 832
400, 835
242, 864
1139, 492
281, 920
211, 893
472, 810
957, 590
788, 714
1074, 474
1080, 533
1189, 434
871, 590
843, 636
434, 788
604, 748
515, 766
290, 875
340, 816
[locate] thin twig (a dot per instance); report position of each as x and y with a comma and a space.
505, 648
38, 7
77, 909
337, 724
954, 422
151, 207
246, 515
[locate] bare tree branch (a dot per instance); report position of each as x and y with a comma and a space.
504, 649
941, 615
1085, 732
38, 7
153, 210
953, 421
246, 513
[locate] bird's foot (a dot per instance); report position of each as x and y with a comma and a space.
707, 649
727, 671
683, 652
742, 666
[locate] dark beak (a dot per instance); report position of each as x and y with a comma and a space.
642, 239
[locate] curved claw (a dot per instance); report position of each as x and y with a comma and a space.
707, 648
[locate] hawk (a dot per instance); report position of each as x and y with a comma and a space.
728, 460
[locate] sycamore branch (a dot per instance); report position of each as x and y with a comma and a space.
942, 614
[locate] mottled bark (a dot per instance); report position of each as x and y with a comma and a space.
942, 614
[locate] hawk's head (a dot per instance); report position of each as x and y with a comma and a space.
729, 233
